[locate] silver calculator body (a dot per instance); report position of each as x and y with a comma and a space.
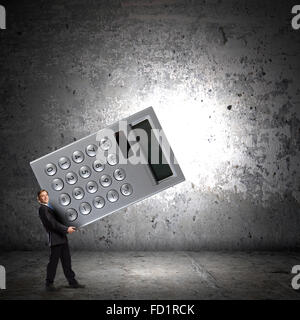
106, 171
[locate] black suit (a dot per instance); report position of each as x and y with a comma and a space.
58, 242
57, 232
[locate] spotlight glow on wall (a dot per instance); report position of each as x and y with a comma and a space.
199, 133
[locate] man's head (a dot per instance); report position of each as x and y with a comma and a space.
42, 196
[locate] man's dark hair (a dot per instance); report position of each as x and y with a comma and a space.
38, 194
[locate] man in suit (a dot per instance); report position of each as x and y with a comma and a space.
58, 242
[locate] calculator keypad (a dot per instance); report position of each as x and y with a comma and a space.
102, 179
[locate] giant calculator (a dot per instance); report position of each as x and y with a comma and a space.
108, 170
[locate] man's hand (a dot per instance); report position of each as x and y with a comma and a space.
71, 229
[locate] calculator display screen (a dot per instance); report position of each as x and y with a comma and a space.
160, 170
123, 143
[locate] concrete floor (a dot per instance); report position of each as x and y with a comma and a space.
156, 275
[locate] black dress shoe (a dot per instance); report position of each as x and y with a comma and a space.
76, 285
50, 287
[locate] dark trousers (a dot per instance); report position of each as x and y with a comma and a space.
61, 252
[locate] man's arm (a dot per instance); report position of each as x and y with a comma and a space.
50, 222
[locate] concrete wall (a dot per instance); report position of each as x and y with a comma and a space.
223, 77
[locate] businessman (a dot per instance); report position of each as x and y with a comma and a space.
58, 242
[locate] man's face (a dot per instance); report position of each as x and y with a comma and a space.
44, 198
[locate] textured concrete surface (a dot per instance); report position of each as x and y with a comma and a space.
156, 275
223, 77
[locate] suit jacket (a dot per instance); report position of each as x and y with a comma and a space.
57, 232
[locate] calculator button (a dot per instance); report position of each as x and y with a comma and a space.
50, 169
78, 156
91, 187
71, 178
91, 150
71, 214
105, 180
85, 208
112, 195
64, 199
119, 174
98, 202
64, 163
78, 193
98, 166
105, 143
85, 172
126, 189
112, 159
57, 184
